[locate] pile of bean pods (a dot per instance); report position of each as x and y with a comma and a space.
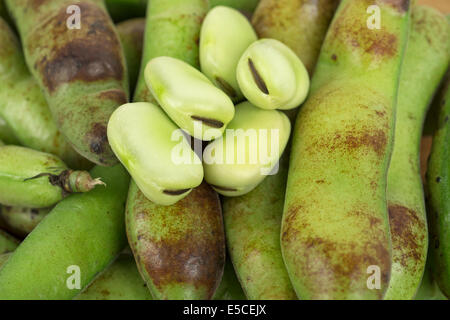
228, 150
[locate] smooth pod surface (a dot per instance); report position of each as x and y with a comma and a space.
36, 179
300, 24
218, 59
80, 237
335, 232
160, 161
179, 250
271, 76
189, 98
252, 229
172, 29
79, 67
248, 152
438, 182
120, 281
426, 60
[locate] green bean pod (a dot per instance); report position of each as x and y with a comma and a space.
120, 281
300, 24
81, 236
131, 33
429, 288
173, 30
36, 179
179, 250
23, 107
265, 203
438, 182
335, 235
426, 60
21, 221
252, 225
7, 243
81, 70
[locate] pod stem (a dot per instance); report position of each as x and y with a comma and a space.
71, 181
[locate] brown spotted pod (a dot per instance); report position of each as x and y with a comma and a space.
179, 250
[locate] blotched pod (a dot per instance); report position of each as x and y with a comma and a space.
36, 179
268, 197
80, 68
131, 33
438, 182
121, 10
155, 152
229, 288
6, 133
179, 250
81, 236
271, 76
189, 98
335, 235
173, 30
21, 221
248, 152
252, 229
7, 243
218, 59
426, 57
300, 24
23, 107
120, 281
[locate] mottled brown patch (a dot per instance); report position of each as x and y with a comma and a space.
376, 140
332, 270
184, 256
98, 138
93, 54
407, 240
115, 95
355, 33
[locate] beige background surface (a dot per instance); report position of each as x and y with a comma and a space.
443, 5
